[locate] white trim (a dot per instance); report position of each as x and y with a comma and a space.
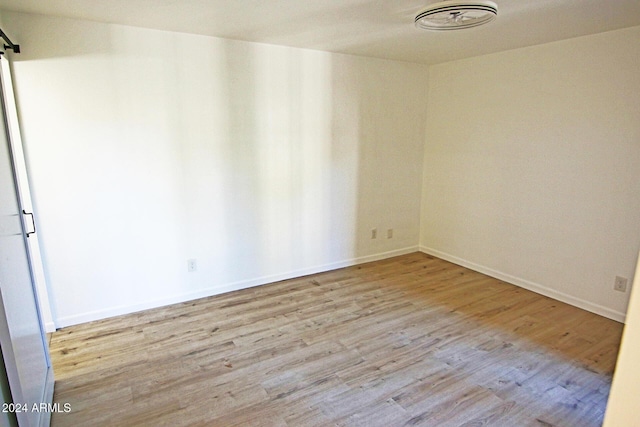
49, 327
220, 289
526, 284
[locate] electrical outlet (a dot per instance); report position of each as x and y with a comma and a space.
620, 284
390, 233
192, 265
374, 233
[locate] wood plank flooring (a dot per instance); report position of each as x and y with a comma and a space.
411, 340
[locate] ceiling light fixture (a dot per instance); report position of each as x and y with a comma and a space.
455, 15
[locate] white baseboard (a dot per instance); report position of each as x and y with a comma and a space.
526, 284
49, 327
62, 322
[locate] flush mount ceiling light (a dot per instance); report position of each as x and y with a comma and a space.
455, 15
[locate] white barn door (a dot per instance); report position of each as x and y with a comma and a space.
22, 339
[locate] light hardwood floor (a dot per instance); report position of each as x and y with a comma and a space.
411, 340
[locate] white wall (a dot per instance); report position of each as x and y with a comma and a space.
532, 166
148, 148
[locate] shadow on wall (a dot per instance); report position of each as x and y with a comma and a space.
176, 147
257, 161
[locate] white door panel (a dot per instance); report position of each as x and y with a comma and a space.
22, 340
24, 193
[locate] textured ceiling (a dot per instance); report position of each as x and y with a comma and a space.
376, 28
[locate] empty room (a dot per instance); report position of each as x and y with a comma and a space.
338, 213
